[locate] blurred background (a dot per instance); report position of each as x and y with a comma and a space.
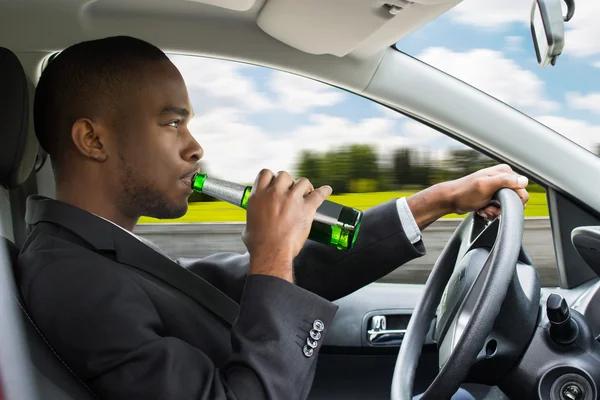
250, 117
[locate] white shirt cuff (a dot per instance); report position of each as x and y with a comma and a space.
413, 233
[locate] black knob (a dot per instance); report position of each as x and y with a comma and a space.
563, 329
557, 309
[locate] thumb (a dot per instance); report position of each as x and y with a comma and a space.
511, 181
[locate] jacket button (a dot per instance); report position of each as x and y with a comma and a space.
318, 325
308, 352
315, 335
311, 343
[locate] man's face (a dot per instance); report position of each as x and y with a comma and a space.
155, 152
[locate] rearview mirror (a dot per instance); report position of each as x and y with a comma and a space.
548, 30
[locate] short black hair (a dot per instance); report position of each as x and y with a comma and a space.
84, 80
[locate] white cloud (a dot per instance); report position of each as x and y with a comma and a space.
580, 132
491, 13
297, 94
590, 102
387, 112
326, 131
420, 135
583, 31
491, 72
513, 44
222, 80
237, 150
596, 64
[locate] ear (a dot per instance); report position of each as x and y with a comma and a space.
89, 139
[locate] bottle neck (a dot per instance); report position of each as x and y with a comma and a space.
230, 192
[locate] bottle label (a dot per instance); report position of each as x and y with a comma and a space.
223, 190
329, 213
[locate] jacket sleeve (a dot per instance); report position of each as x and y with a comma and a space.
381, 247
133, 357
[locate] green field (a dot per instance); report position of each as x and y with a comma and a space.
223, 212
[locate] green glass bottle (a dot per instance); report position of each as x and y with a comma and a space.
334, 224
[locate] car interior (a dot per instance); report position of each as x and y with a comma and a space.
386, 338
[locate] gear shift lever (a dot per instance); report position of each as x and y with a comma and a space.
563, 329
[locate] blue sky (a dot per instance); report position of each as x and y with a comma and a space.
513, 39
251, 117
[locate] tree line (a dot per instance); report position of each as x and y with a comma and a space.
359, 169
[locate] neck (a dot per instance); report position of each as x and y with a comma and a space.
95, 200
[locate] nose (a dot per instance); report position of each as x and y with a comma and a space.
198, 152
193, 150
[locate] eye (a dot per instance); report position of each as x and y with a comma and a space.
174, 124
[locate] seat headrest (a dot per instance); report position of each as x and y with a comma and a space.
18, 144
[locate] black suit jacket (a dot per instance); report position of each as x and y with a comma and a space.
128, 335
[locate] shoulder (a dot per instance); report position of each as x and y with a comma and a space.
55, 266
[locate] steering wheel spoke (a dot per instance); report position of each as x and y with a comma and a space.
449, 338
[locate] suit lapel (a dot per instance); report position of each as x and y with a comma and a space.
134, 253
107, 237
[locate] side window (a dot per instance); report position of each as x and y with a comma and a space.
458, 161
249, 118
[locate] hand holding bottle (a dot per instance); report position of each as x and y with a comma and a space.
334, 224
280, 215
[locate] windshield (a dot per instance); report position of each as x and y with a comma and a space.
488, 44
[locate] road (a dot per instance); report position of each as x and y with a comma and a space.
200, 240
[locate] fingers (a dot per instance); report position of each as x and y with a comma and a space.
485, 215
493, 211
518, 183
317, 196
500, 168
490, 212
502, 176
263, 179
509, 180
283, 181
314, 197
523, 194
303, 186
512, 181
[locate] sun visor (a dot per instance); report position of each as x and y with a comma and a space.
340, 27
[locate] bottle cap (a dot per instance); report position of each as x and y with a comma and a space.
198, 182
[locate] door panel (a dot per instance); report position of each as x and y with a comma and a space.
350, 366
350, 325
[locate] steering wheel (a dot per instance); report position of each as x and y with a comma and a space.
468, 321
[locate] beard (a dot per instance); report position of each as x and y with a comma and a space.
139, 197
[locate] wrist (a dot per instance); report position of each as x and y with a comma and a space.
432, 203
274, 263
446, 197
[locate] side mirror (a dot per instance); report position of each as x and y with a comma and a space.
548, 30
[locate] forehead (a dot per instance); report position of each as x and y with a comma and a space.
162, 87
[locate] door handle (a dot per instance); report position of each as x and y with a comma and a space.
378, 335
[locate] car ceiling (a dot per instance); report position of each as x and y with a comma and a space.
337, 41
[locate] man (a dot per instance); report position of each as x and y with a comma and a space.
113, 115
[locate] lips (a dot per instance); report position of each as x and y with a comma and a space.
187, 182
187, 179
